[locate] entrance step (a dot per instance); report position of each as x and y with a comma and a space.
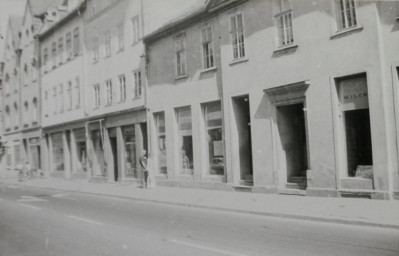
296, 192
99, 179
242, 188
299, 186
297, 179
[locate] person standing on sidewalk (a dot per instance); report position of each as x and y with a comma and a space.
143, 164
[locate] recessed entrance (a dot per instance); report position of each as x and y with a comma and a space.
243, 126
114, 149
358, 139
292, 130
354, 105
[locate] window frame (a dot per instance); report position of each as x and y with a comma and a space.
210, 58
122, 88
121, 37
138, 83
240, 55
97, 95
341, 17
180, 62
76, 41
109, 91
283, 18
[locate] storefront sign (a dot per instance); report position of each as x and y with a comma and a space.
354, 93
80, 135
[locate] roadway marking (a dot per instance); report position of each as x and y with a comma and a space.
207, 248
30, 206
85, 220
63, 196
60, 195
31, 199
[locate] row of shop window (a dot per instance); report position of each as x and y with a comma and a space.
213, 125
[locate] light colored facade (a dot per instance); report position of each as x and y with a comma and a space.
184, 97
62, 91
11, 96
115, 91
29, 88
303, 113
319, 114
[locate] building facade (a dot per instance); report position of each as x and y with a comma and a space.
29, 88
62, 91
298, 119
115, 89
11, 99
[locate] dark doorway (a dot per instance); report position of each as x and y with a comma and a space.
292, 129
358, 139
114, 148
243, 122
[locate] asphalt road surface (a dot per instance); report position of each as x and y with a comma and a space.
39, 222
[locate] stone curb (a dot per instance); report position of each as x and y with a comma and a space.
222, 209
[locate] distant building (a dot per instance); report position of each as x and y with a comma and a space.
10, 95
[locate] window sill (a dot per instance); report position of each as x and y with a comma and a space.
346, 31
26, 125
285, 48
208, 70
7, 94
77, 107
96, 108
35, 123
108, 104
237, 61
95, 62
180, 77
120, 50
122, 101
137, 97
136, 43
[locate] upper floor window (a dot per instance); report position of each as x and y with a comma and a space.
237, 35
25, 76
107, 44
54, 54
283, 15
45, 58
61, 99
95, 48
26, 113
121, 43
122, 88
76, 41
35, 110
97, 95
108, 85
60, 50
68, 45
16, 116
137, 83
46, 104
135, 29
346, 14
207, 47
7, 121
54, 103
180, 54
77, 92
69, 95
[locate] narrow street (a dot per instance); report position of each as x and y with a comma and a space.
48, 222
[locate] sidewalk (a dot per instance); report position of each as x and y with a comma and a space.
337, 210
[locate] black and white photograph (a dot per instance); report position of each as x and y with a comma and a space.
199, 127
